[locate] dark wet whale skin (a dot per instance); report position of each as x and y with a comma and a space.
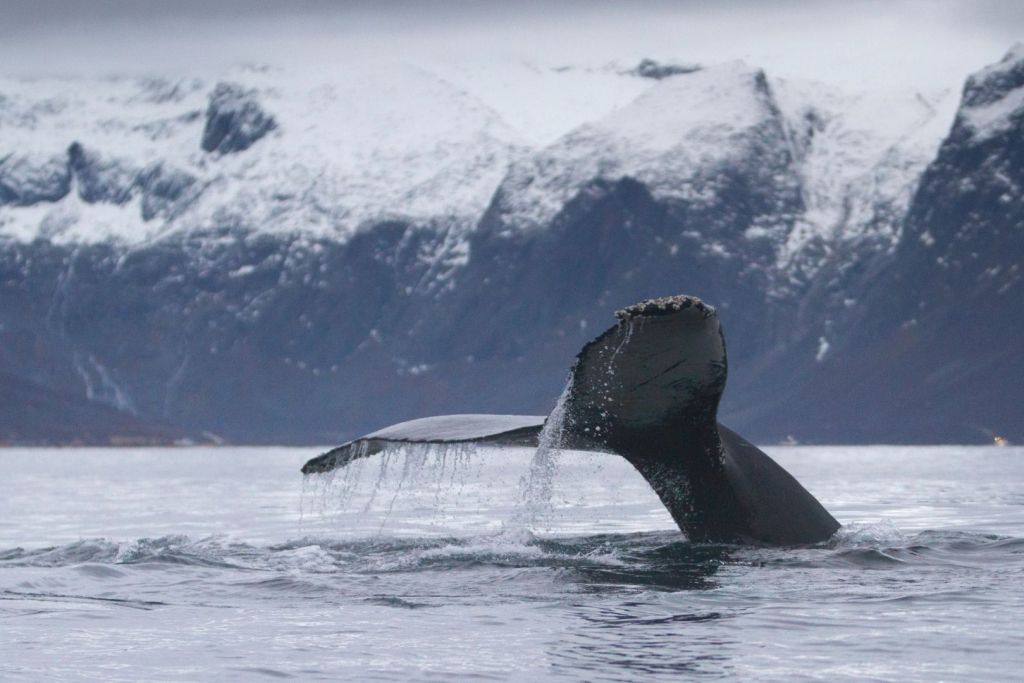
648, 390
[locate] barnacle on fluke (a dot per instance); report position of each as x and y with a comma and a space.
664, 306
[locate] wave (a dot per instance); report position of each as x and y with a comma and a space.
652, 558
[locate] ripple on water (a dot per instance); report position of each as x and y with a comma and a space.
927, 597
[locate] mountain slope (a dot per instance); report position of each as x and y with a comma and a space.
38, 416
930, 349
300, 257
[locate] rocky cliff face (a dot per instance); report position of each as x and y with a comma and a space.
945, 357
922, 339
301, 260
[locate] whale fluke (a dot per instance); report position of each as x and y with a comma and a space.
648, 389
491, 430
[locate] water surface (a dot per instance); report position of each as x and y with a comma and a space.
178, 564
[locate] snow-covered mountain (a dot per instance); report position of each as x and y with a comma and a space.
328, 153
278, 254
283, 153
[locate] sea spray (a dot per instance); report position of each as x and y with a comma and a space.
536, 507
535, 503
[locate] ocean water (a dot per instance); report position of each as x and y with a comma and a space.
225, 564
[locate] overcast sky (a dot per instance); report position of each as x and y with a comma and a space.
932, 43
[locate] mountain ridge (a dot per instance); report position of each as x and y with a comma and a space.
234, 291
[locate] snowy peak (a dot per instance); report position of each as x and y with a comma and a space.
331, 151
993, 99
672, 137
336, 150
969, 209
994, 82
690, 114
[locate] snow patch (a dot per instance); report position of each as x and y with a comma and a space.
990, 120
823, 347
859, 156
665, 138
352, 148
100, 384
994, 96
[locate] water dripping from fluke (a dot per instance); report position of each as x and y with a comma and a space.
536, 507
428, 473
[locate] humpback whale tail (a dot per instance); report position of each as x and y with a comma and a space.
648, 389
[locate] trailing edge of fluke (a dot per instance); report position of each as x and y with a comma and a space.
648, 389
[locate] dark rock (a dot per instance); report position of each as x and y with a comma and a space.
165, 191
101, 179
992, 84
26, 180
929, 351
234, 120
648, 68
